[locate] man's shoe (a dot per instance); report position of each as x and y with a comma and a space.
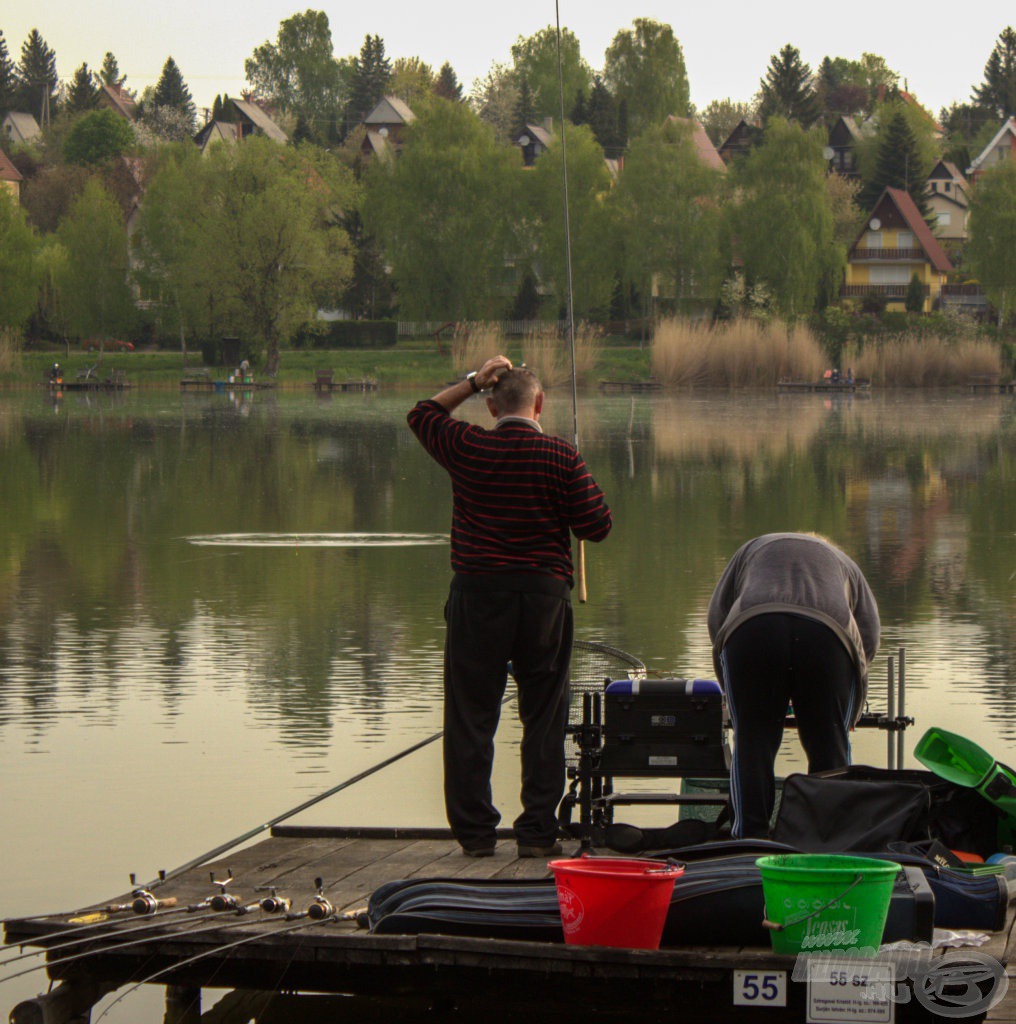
527, 850
478, 851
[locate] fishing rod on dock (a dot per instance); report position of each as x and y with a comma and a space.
318, 911
580, 568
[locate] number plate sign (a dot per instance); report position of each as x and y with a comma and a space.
850, 990
760, 988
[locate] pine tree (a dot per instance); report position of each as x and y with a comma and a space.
219, 108
372, 71
524, 113
109, 73
786, 90
602, 118
579, 113
998, 93
83, 94
447, 85
8, 78
37, 74
171, 91
898, 165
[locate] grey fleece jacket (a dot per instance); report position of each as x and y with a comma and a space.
803, 575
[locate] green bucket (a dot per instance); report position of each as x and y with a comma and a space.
816, 902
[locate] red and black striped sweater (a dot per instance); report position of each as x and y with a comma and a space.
516, 494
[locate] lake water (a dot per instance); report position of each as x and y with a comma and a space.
215, 607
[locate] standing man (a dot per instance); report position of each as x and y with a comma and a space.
517, 494
792, 619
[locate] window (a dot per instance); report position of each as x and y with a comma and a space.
944, 219
904, 239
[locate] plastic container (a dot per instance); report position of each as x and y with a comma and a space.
818, 902
608, 901
963, 763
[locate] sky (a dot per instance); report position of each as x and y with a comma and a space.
727, 46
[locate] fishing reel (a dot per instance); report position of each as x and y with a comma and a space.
321, 908
275, 904
143, 901
223, 900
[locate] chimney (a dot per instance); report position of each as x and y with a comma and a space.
548, 123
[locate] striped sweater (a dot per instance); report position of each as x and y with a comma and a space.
516, 494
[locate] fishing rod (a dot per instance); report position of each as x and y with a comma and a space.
279, 818
210, 952
580, 569
185, 933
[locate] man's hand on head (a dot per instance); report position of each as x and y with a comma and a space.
488, 374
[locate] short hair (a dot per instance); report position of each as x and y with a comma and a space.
517, 388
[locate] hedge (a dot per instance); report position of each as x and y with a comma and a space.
349, 334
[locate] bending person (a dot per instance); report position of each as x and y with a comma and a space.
792, 620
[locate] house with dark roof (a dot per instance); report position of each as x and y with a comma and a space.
385, 126
534, 139
844, 136
1002, 147
740, 141
21, 128
10, 176
949, 201
893, 246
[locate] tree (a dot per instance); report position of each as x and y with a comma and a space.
997, 93
8, 78
525, 110
412, 80
590, 219
298, 73
171, 91
899, 164
109, 73
494, 98
534, 60
991, 248
604, 119
721, 117
447, 85
444, 214
272, 230
48, 196
99, 136
37, 76
782, 221
19, 268
371, 75
83, 94
95, 297
174, 266
669, 212
644, 68
786, 91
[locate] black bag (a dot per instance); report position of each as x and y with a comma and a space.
819, 811
834, 814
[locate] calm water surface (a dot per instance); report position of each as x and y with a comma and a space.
212, 609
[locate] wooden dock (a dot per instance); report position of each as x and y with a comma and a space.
188, 949
823, 385
629, 386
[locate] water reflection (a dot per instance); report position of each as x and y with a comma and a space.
214, 611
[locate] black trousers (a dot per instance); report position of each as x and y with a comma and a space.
485, 631
769, 662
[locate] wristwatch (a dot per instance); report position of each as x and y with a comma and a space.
471, 377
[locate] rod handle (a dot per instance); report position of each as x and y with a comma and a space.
580, 574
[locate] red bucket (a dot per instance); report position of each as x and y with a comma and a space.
613, 901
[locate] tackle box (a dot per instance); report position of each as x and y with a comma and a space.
663, 727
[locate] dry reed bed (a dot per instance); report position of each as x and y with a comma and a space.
734, 353
924, 362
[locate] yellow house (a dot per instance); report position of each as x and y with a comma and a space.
893, 246
10, 176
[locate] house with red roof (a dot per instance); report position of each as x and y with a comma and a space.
895, 245
10, 176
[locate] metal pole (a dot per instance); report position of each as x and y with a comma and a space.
901, 709
890, 714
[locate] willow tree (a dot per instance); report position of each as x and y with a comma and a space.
591, 223
444, 214
782, 219
19, 269
991, 248
669, 215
